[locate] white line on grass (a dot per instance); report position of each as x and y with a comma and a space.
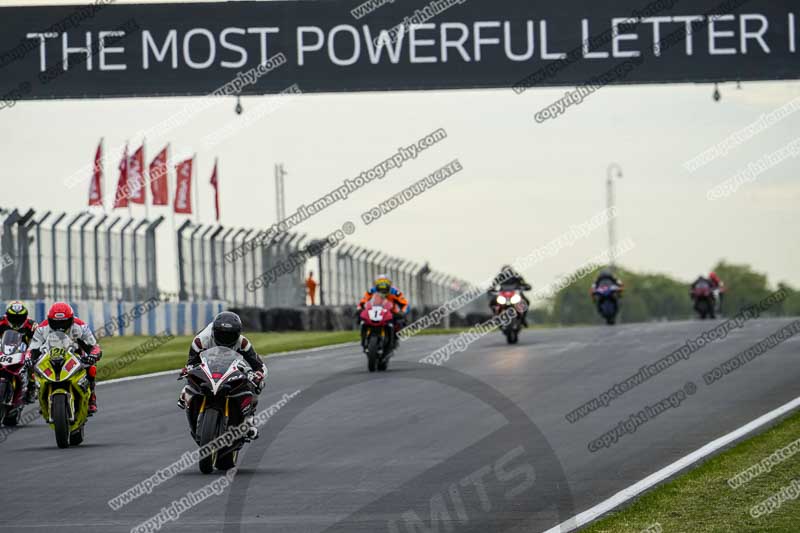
269, 356
634, 490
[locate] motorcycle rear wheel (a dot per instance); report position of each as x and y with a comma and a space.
60, 420
208, 432
76, 437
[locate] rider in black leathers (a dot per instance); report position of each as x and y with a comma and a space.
607, 275
225, 330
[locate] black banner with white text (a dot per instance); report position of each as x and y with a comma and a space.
106, 49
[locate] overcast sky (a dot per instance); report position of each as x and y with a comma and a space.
523, 183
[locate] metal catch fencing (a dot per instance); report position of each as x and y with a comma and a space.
57, 256
343, 272
88, 256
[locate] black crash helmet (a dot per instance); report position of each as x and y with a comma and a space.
227, 328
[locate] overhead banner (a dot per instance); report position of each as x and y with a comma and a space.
106, 49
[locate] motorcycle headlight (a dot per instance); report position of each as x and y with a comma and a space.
516, 299
501, 299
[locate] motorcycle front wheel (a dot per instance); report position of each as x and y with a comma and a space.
512, 336
3, 392
12, 420
60, 420
372, 352
208, 432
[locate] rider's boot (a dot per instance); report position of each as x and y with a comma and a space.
92, 404
30, 393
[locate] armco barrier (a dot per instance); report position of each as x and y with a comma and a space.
149, 317
332, 318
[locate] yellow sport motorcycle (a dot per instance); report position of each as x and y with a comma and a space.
64, 389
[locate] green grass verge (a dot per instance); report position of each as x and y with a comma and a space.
701, 501
172, 354
456, 331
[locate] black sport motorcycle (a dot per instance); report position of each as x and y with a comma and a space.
219, 397
606, 296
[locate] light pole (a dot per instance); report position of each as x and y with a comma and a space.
613, 171
280, 198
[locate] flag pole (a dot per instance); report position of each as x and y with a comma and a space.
102, 175
128, 182
171, 205
144, 181
196, 186
217, 210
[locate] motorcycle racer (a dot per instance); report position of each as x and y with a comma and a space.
509, 279
16, 318
383, 286
62, 318
225, 330
606, 275
718, 288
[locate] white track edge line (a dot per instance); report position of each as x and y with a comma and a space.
581, 519
269, 356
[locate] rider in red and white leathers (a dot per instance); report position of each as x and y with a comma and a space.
61, 318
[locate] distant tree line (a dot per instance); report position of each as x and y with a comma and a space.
650, 297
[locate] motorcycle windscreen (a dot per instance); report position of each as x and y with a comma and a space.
58, 339
12, 342
218, 360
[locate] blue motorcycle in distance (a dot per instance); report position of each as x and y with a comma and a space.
606, 296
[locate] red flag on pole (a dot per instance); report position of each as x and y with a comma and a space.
121, 197
159, 183
215, 184
96, 186
136, 187
183, 187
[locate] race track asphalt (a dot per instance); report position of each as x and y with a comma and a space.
480, 444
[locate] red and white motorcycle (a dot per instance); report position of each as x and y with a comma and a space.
506, 299
378, 335
13, 377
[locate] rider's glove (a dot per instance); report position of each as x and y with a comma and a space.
29, 362
257, 379
96, 352
90, 359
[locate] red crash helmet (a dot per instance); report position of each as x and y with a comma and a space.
713, 277
60, 316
